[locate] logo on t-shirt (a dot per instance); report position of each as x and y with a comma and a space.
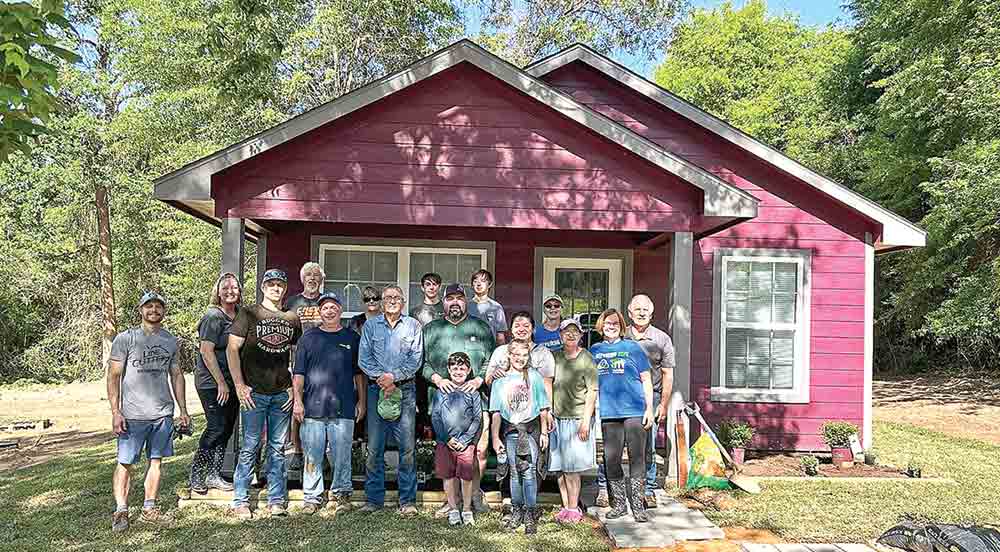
274, 335
518, 398
154, 359
309, 315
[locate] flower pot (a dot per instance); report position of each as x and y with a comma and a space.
738, 454
843, 458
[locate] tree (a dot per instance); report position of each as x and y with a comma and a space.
29, 40
524, 31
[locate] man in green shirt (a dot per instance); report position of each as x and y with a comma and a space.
458, 332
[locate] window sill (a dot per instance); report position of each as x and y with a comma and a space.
792, 396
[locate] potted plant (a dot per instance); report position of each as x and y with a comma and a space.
837, 436
871, 458
735, 436
810, 465
913, 469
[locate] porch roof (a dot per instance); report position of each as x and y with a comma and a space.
189, 188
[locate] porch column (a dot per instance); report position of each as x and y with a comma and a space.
866, 429
681, 265
261, 263
233, 246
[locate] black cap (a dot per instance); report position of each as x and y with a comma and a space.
329, 296
453, 289
152, 296
275, 274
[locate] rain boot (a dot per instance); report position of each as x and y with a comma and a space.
214, 478
199, 470
636, 490
617, 499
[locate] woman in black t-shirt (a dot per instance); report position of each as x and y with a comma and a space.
215, 385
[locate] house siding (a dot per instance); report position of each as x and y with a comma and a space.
289, 247
792, 216
461, 148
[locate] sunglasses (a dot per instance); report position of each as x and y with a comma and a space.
372, 299
553, 306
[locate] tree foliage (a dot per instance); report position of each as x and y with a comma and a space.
30, 41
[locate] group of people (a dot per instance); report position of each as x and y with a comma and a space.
535, 394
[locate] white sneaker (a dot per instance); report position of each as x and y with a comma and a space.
454, 517
467, 518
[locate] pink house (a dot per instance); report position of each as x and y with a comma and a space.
578, 176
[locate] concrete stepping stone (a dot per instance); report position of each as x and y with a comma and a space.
669, 523
805, 547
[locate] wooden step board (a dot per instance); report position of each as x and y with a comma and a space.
426, 499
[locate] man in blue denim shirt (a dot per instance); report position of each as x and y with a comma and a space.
392, 348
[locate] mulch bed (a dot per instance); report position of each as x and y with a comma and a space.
788, 465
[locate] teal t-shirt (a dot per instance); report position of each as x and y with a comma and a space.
519, 401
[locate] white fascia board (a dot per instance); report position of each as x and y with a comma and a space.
896, 230
193, 182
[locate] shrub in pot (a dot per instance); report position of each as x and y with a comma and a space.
735, 436
837, 436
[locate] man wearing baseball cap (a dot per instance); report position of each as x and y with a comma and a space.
547, 333
141, 373
458, 332
258, 352
329, 393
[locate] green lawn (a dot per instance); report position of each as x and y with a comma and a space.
855, 512
65, 505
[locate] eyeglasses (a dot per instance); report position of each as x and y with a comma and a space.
373, 299
392, 299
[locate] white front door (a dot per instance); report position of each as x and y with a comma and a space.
587, 286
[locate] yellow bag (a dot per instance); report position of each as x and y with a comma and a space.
707, 466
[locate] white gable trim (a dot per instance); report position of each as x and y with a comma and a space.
896, 231
193, 181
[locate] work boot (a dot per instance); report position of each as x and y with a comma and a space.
531, 516
517, 515
119, 522
214, 478
617, 499
243, 512
344, 503
650, 500
636, 488
479, 504
200, 468
310, 508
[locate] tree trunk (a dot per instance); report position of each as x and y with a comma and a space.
106, 271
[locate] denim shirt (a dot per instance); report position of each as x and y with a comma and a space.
384, 350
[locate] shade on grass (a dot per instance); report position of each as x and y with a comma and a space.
66, 504
819, 511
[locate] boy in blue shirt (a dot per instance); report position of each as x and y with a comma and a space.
457, 420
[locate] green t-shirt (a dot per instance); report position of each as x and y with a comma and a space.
442, 338
574, 378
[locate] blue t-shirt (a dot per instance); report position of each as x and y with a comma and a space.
547, 338
329, 362
619, 387
519, 401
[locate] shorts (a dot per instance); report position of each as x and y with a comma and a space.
567, 453
156, 436
449, 464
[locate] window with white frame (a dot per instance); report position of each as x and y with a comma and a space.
349, 268
762, 325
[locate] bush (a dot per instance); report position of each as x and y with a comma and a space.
735, 434
838, 434
810, 465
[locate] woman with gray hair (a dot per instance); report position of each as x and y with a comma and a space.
214, 384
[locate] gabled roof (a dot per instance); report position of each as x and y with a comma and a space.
190, 186
897, 232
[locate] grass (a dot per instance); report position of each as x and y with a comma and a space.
817, 511
65, 505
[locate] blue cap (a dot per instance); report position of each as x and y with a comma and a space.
275, 274
152, 296
330, 296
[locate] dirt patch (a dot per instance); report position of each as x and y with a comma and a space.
788, 465
80, 418
961, 406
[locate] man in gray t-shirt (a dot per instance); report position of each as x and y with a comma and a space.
487, 309
142, 371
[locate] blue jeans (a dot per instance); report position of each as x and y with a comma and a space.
329, 438
404, 431
523, 484
602, 478
267, 408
